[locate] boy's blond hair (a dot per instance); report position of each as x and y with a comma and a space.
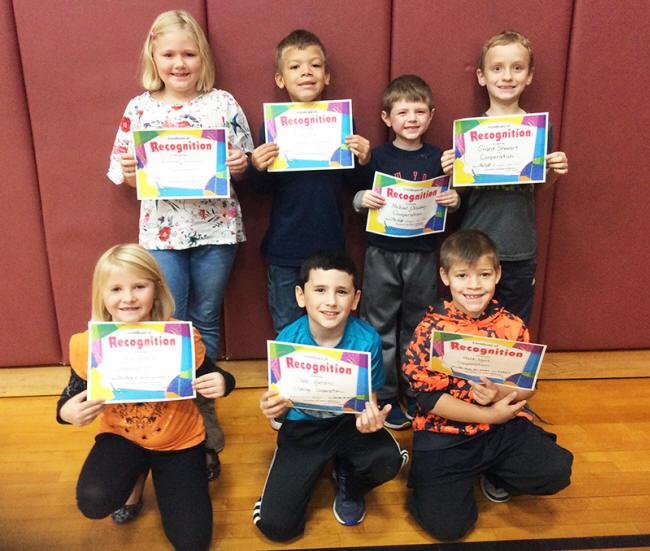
503, 38
172, 21
300, 39
467, 246
408, 88
135, 258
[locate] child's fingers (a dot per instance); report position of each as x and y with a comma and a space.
272, 404
558, 161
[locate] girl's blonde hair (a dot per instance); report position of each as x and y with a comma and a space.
138, 259
172, 21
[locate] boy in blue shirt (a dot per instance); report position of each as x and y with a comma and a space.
365, 454
506, 213
399, 278
307, 210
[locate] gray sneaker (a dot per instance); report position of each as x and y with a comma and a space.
497, 495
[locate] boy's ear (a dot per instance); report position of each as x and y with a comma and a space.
433, 111
357, 297
300, 296
327, 78
279, 80
386, 118
445, 278
480, 77
498, 274
531, 73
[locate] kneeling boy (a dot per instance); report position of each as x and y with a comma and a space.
365, 454
465, 429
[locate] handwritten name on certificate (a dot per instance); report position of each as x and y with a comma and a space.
181, 163
511, 363
500, 150
411, 208
311, 136
140, 362
313, 377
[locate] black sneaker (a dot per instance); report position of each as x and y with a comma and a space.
411, 408
492, 492
395, 419
213, 467
349, 510
127, 513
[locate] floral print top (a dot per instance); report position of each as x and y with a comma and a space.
185, 223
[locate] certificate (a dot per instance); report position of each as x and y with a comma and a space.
311, 136
511, 363
410, 210
313, 377
500, 150
181, 163
140, 362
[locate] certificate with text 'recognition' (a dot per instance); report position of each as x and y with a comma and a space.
510, 363
311, 136
140, 362
313, 377
500, 150
411, 209
182, 163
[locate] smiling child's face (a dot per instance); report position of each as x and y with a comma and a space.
472, 286
506, 72
128, 296
328, 297
303, 73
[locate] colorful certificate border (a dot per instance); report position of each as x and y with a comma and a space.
179, 388
218, 186
341, 158
435, 224
277, 349
526, 379
534, 172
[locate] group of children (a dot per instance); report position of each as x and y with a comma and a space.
462, 430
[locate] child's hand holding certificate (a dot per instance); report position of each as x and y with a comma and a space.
311, 136
313, 377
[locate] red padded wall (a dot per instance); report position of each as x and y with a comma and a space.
596, 292
441, 42
80, 72
29, 331
79, 64
243, 39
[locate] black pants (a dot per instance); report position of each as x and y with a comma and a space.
516, 289
516, 456
180, 481
303, 449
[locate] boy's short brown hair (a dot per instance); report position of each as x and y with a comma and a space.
503, 38
409, 88
300, 39
467, 246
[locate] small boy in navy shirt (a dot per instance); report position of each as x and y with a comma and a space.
399, 278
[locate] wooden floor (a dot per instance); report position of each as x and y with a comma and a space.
605, 423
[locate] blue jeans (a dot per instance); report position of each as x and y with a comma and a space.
197, 279
281, 282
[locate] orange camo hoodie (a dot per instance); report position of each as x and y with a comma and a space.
429, 385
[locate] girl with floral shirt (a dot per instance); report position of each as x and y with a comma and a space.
193, 240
